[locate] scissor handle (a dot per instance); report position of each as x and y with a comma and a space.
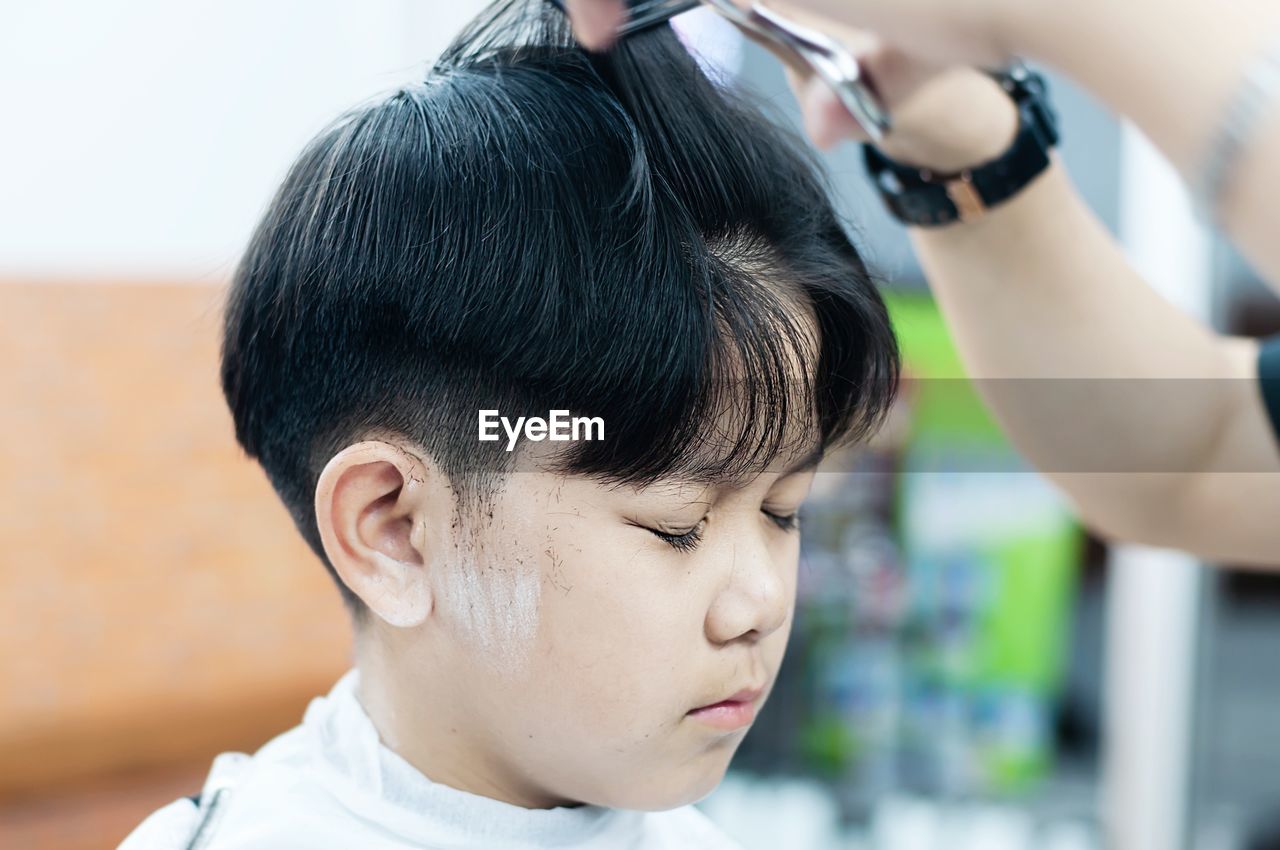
835, 64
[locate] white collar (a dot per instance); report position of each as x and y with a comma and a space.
347, 741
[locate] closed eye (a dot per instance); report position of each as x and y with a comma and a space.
787, 522
686, 542
683, 541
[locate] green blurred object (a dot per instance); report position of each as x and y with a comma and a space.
992, 554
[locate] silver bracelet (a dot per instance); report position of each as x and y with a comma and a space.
1260, 87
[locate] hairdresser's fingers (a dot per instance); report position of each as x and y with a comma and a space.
825, 119
797, 68
596, 22
947, 31
896, 77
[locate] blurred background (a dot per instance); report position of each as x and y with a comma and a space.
968, 669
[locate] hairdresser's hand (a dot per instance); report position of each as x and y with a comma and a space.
944, 118
972, 32
595, 22
986, 33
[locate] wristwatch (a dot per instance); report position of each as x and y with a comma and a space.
922, 198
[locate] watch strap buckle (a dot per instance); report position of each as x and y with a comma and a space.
966, 198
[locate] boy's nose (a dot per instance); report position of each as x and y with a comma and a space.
756, 598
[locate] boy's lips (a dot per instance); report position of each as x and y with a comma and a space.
732, 712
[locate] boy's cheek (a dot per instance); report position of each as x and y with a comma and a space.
618, 662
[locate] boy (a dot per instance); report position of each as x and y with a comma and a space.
562, 644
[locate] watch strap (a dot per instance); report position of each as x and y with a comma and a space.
1269, 381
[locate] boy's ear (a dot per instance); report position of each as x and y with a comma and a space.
383, 514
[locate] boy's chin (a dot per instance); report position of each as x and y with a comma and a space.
679, 788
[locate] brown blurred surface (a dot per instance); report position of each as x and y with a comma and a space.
159, 606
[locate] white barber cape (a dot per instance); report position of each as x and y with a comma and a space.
330, 784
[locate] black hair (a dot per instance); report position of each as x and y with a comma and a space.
536, 226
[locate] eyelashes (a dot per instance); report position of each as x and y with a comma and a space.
687, 541
787, 522
684, 542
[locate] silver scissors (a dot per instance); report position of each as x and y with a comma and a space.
825, 56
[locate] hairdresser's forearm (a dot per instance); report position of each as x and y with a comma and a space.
1037, 292
1173, 68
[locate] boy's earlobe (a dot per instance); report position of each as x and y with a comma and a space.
383, 514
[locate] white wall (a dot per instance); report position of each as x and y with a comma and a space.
142, 138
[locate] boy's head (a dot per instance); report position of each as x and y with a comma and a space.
535, 228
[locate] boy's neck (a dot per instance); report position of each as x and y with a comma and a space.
422, 720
